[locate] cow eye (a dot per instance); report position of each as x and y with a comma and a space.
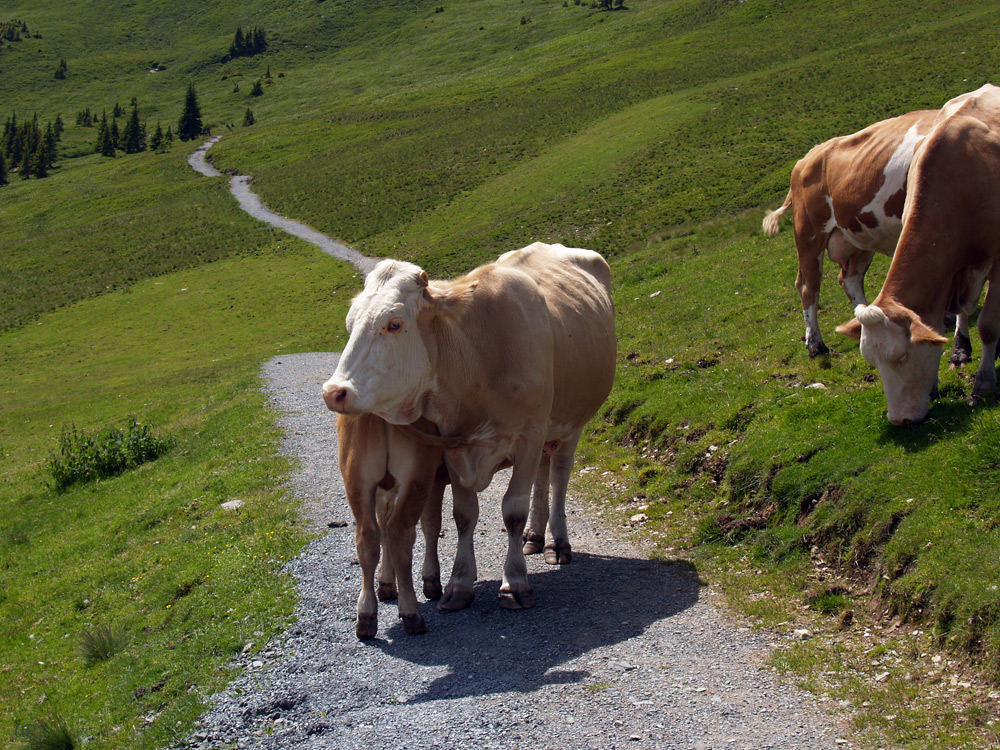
395, 325
902, 359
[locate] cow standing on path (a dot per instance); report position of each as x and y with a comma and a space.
949, 248
510, 361
391, 480
847, 198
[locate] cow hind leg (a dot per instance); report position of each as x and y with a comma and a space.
430, 525
961, 350
366, 539
459, 592
401, 530
989, 333
807, 282
557, 549
538, 516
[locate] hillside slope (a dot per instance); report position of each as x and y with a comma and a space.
656, 135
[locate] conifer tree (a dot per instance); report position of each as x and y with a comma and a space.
132, 136
3, 169
40, 162
25, 168
169, 136
258, 89
50, 144
189, 126
156, 140
61, 70
248, 118
59, 127
116, 134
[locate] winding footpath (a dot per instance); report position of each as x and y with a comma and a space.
620, 651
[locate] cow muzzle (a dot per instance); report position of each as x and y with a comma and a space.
337, 397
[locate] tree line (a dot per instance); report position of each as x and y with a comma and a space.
28, 148
248, 43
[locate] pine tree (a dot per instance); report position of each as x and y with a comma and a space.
248, 118
3, 169
59, 127
61, 70
117, 111
156, 140
169, 137
190, 125
50, 144
116, 134
258, 88
25, 168
40, 162
236, 48
132, 136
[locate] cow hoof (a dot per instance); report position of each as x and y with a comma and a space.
533, 543
414, 624
517, 599
959, 358
455, 598
432, 588
367, 626
817, 350
387, 592
558, 553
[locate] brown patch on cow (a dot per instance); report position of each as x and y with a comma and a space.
868, 219
894, 206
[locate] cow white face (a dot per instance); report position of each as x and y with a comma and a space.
385, 368
907, 360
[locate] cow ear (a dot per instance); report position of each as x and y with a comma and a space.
422, 279
851, 328
924, 334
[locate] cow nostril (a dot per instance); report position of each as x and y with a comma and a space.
335, 398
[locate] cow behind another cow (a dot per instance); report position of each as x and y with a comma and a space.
949, 248
847, 196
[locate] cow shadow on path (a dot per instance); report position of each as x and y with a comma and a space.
595, 602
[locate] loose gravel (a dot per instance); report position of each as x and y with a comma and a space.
620, 651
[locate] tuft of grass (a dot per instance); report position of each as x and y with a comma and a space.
49, 733
85, 456
100, 643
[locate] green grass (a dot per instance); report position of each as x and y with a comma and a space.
182, 583
655, 135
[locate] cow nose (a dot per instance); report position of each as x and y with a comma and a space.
335, 398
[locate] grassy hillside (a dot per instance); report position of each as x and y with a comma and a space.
656, 135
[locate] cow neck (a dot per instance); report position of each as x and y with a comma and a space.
454, 359
924, 283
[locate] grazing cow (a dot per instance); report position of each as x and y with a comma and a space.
509, 362
948, 249
847, 197
391, 480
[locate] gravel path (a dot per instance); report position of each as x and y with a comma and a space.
620, 651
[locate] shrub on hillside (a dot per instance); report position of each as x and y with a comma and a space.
84, 456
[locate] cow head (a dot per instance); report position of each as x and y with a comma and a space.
906, 352
385, 368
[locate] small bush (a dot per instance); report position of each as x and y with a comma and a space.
101, 643
84, 456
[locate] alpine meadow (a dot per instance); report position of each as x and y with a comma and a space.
134, 291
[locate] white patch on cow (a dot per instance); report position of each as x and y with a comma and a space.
882, 237
954, 105
831, 223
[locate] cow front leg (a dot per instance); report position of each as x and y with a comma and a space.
557, 549
401, 530
367, 543
459, 592
430, 525
538, 516
515, 592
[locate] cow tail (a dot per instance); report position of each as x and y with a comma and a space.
772, 219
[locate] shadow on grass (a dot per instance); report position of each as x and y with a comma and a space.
596, 601
947, 416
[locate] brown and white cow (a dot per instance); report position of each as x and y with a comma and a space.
510, 361
391, 480
847, 197
948, 249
